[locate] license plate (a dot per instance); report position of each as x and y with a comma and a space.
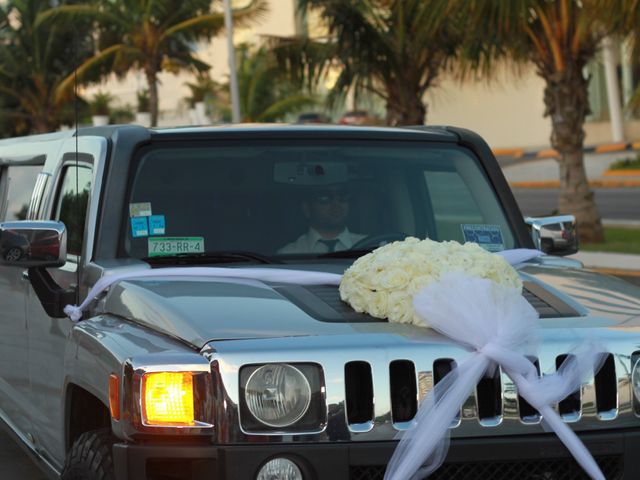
164, 246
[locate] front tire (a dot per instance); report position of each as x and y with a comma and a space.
90, 457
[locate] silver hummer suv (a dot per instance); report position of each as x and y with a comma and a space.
231, 378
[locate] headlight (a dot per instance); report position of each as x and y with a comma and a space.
278, 395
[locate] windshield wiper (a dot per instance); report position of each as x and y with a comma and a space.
227, 256
346, 253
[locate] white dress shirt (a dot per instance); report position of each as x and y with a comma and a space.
310, 242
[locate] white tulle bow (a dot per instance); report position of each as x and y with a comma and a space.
499, 326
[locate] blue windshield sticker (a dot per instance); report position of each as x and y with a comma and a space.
488, 237
156, 225
139, 227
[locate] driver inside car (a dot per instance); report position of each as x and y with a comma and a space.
326, 211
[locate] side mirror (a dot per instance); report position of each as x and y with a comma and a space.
31, 244
554, 235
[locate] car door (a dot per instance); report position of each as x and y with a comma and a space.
17, 182
48, 336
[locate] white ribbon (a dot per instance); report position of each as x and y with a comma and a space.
296, 277
499, 325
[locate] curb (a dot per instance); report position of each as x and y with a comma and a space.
605, 183
616, 271
552, 153
622, 173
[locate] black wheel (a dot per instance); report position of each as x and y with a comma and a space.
90, 457
374, 241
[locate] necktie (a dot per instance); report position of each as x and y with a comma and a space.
331, 244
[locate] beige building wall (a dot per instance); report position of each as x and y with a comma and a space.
506, 112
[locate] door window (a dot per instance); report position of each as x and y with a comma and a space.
71, 206
20, 180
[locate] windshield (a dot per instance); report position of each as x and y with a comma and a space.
307, 199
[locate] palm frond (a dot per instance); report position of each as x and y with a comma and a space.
253, 12
65, 88
74, 13
285, 106
211, 24
304, 61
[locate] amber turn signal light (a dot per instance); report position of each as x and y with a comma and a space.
167, 399
114, 396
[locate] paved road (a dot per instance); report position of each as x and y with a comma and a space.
614, 204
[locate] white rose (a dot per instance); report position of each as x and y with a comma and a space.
383, 282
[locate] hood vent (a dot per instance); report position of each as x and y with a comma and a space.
323, 303
546, 303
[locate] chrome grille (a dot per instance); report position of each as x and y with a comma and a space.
494, 397
373, 383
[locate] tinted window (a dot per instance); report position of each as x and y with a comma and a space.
262, 198
21, 180
71, 208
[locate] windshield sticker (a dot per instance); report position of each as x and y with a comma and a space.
164, 246
140, 209
488, 237
156, 225
139, 227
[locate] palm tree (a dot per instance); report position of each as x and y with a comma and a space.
34, 61
394, 49
265, 95
150, 35
629, 17
560, 38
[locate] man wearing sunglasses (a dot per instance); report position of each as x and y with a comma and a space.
326, 210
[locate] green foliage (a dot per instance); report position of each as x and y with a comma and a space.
101, 103
556, 36
142, 97
265, 95
626, 164
34, 60
621, 240
67, 114
13, 122
204, 89
120, 115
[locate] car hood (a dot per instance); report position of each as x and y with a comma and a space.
198, 310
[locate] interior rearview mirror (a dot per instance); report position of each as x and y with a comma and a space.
310, 173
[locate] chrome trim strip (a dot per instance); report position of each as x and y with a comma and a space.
37, 196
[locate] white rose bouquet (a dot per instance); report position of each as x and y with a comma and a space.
384, 282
